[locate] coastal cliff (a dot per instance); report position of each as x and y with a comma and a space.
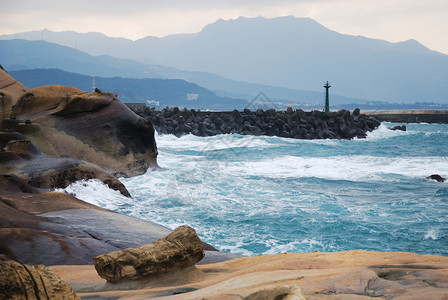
50, 137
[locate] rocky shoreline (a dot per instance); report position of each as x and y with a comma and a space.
297, 124
52, 136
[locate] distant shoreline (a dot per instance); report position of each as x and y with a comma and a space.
411, 116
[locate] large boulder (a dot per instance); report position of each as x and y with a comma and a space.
94, 127
19, 281
180, 249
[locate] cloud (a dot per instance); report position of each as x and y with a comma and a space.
393, 20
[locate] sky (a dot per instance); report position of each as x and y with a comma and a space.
393, 20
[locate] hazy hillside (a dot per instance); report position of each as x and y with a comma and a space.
167, 92
297, 53
23, 54
301, 54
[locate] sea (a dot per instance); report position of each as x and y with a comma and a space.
255, 195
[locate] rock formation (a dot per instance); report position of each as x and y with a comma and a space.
436, 177
18, 281
94, 127
180, 249
336, 275
10, 92
398, 127
284, 292
22, 159
51, 137
291, 123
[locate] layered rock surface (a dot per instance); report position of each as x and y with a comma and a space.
21, 159
51, 137
94, 127
340, 275
10, 91
19, 281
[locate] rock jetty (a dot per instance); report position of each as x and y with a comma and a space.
297, 124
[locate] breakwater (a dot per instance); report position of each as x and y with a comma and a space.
412, 116
289, 123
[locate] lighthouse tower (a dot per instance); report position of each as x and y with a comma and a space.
327, 97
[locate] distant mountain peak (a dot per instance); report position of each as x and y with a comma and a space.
413, 46
260, 23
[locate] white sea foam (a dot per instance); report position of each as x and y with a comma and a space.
383, 132
305, 245
353, 168
432, 234
218, 142
235, 203
97, 193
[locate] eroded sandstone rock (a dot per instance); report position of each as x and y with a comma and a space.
180, 249
10, 92
19, 281
22, 159
94, 127
283, 292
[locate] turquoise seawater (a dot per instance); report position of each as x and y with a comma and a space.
259, 195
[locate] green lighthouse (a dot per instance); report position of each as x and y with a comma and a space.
327, 98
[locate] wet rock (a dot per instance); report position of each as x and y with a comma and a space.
180, 249
436, 177
22, 159
19, 281
398, 127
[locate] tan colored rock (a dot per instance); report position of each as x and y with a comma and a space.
283, 292
180, 249
337, 275
94, 127
59, 100
19, 281
10, 91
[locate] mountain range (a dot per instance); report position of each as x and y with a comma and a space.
19, 54
156, 92
297, 54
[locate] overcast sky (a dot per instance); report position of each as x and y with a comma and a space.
392, 20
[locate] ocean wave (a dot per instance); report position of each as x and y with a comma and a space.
433, 234
285, 195
217, 142
352, 168
97, 193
